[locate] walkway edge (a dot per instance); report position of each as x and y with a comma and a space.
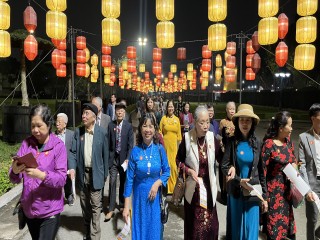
9, 196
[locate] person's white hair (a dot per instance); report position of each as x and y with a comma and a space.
199, 110
99, 100
64, 117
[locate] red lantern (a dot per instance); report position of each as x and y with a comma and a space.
131, 52
156, 67
281, 54
30, 19
182, 74
146, 75
249, 60
106, 49
81, 56
256, 63
81, 42
106, 61
255, 42
181, 53
194, 84
170, 75
249, 47
250, 75
132, 65
206, 65
206, 53
230, 75
113, 77
61, 71
231, 62
63, 56
283, 25
56, 58
59, 44
30, 47
231, 48
156, 54
81, 69
113, 68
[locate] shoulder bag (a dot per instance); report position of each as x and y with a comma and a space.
164, 206
178, 191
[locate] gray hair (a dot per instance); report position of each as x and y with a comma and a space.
63, 116
99, 100
199, 109
229, 103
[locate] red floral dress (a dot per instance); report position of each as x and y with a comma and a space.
279, 218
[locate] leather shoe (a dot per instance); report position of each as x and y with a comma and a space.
109, 216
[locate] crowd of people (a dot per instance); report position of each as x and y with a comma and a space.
148, 148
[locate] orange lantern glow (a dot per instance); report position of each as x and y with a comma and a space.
283, 25
81, 69
106, 61
156, 54
268, 30
218, 60
249, 48
164, 10
94, 59
5, 15
217, 10
231, 62
156, 67
56, 25
63, 56
60, 44
306, 29
81, 56
5, 44
249, 60
231, 48
255, 41
165, 36
57, 5
111, 32
230, 75
61, 71
30, 19
256, 62
30, 47
268, 8
250, 75
206, 65
206, 53
106, 49
56, 58
132, 65
146, 75
281, 54
305, 8
304, 57
181, 53
81, 42
170, 75
173, 68
131, 52
110, 8
217, 37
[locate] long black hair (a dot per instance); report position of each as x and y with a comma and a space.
279, 120
143, 120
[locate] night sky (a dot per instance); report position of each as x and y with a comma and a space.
191, 23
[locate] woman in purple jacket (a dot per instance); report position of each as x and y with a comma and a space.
42, 196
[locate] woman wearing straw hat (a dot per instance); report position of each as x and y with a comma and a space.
241, 164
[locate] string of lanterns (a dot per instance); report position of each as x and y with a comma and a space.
30, 45
111, 30
165, 35
5, 41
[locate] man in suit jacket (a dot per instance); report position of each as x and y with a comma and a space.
309, 157
120, 135
89, 155
103, 120
111, 107
66, 136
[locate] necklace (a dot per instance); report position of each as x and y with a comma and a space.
204, 154
148, 158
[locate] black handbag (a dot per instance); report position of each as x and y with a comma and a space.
178, 191
164, 205
21, 217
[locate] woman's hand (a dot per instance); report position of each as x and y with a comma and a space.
264, 206
310, 197
193, 173
243, 183
231, 173
125, 214
154, 190
16, 169
35, 173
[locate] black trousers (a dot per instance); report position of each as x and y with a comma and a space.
68, 188
44, 228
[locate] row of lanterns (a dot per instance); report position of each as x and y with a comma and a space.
306, 33
281, 56
5, 41
59, 57
111, 30
30, 45
165, 36
82, 57
56, 20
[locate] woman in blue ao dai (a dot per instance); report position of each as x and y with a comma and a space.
148, 169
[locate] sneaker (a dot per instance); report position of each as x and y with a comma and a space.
70, 200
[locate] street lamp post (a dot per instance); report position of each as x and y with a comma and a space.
281, 75
142, 42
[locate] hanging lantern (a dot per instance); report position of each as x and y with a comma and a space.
170, 75
57, 5
250, 75
63, 55
281, 54
255, 42
106, 79
173, 68
110, 8
249, 60
304, 57
218, 73
56, 58
106, 61
59, 44
5, 15
206, 53
111, 32
81, 56
256, 63
30, 19
94, 72
87, 70
230, 75
218, 60
231, 62
231, 48
156, 67
249, 48
189, 67
156, 54
30, 47
164, 10
106, 49
217, 37
142, 67
61, 71
268, 31
124, 65
132, 65
5, 44
146, 75
305, 8
81, 42
206, 65
56, 25
217, 10
87, 54
181, 53
81, 69
107, 70
306, 29
94, 59
268, 8
283, 25
131, 52
182, 74
165, 34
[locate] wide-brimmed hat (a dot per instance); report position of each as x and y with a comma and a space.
245, 110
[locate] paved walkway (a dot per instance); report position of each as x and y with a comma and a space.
72, 225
